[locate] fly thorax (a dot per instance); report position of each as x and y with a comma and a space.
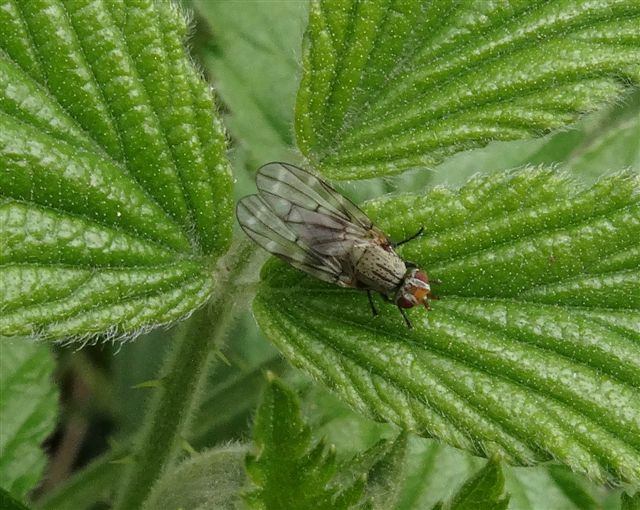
378, 268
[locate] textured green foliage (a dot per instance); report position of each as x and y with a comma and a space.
28, 407
630, 502
484, 490
602, 142
255, 64
8, 502
292, 474
289, 473
533, 351
114, 191
434, 469
389, 85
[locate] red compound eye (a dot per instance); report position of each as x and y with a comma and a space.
403, 302
422, 276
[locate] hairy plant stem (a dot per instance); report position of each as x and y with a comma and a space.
182, 376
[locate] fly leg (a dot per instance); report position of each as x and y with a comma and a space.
404, 316
373, 307
418, 233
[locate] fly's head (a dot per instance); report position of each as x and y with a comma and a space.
415, 290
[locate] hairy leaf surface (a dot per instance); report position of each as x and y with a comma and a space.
212, 479
114, 192
289, 472
533, 350
394, 84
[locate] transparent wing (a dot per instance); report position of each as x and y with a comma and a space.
261, 224
326, 221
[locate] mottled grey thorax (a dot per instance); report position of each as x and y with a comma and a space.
377, 268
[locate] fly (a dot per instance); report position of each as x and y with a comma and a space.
305, 222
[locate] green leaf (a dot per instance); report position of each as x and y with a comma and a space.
434, 468
115, 195
254, 60
290, 473
385, 464
392, 85
8, 502
630, 502
93, 485
573, 488
209, 480
431, 469
28, 409
590, 149
235, 386
533, 351
484, 490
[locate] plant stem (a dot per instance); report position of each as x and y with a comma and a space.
182, 376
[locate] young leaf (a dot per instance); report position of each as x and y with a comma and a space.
483, 490
255, 65
533, 351
28, 407
115, 195
601, 142
392, 85
433, 468
8, 502
209, 480
289, 473
630, 502
89, 487
572, 487
385, 465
